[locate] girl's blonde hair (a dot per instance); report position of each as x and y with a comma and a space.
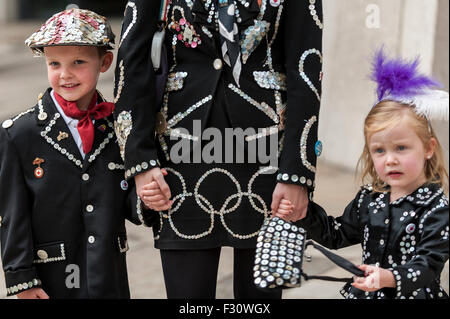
388, 113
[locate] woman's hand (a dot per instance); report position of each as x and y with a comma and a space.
296, 195
33, 293
376, 278
153, 190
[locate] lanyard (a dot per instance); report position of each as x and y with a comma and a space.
163, 10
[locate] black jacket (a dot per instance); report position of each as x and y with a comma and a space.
69, 220
408, 236
281, 47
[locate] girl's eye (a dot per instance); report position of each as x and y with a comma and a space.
79, 62
53, 64
401, 148
379, 150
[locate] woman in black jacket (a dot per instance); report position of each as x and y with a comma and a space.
245, 69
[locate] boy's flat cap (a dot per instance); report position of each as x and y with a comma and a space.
72, 27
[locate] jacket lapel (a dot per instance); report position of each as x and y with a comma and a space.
55, 130
103, 135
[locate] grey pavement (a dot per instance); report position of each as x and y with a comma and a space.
23, 77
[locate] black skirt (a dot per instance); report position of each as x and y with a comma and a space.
216, 204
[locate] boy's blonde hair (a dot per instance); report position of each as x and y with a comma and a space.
388, 113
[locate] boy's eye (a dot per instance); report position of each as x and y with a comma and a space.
53, 64
401, 147
79, 62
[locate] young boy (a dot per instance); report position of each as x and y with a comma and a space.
63, 197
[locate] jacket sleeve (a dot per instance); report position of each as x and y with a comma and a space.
331, 232
302, 46
15, 222
431, 254
135, 99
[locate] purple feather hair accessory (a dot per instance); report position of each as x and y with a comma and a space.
399, 78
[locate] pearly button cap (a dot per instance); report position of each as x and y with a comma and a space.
218, 64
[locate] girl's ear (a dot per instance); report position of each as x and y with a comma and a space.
431, 148
107, 60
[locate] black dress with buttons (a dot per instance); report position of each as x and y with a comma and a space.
63, 217
408, 236
223, 202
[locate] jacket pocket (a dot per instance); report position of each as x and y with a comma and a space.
49, 252
122, 243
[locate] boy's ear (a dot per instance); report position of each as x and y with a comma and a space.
107, 60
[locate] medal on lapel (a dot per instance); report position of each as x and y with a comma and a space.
38, 172
102, 128
62, 135
410, 228
124, 185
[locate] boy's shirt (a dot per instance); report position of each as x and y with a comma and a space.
70, 213
71, 124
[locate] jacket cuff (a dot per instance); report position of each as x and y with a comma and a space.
295, 179
19, 281
141, 168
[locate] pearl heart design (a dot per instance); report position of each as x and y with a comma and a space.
302, 71
133, 22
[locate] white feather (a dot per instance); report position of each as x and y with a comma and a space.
433, 104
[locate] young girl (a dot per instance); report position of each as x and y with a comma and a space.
401, 219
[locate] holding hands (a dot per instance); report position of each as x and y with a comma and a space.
153, 189
289, 202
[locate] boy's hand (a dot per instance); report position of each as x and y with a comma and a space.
156, 194
33, 293
376, 278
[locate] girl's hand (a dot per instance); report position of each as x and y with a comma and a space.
297, 195
376, 278
284, 209
33, 293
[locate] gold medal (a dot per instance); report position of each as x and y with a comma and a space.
161, 124
38, 172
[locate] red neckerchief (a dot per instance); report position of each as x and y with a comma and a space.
85, 126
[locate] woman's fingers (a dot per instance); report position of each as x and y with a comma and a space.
155, 198
152, 185
163, 186
153, 192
